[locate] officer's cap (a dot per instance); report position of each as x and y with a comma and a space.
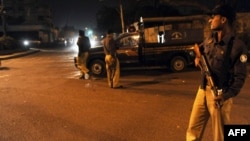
224, 10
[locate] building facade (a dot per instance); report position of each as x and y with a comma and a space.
29, 19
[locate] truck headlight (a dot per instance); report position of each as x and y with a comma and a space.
26, 43
191, 53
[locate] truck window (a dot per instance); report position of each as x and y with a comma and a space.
174, 30
129, 41
175, 33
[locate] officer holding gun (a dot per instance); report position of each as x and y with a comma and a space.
226, 57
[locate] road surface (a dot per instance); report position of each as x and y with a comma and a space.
42, 99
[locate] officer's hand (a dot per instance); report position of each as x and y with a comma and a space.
219, 100
197, 61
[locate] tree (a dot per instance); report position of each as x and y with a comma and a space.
134, 9
108, 18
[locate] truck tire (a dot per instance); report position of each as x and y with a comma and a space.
178, 63
97, 67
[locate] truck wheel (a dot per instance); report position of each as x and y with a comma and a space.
178, 63
97, 67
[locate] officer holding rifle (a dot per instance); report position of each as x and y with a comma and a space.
226, 58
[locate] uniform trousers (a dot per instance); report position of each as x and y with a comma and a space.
82, 62
109, 61
204, 109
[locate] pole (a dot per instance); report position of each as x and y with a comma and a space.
2, 12
121, 15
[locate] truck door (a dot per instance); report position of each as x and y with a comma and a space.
128, 48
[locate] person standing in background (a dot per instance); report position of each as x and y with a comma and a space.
83, 44
111, 60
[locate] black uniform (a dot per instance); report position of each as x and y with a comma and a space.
83, 44
229, 71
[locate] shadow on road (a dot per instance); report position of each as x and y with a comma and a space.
143, 83
4, 68
153, 72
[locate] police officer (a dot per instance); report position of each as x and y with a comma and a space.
83, 43
227, 57
111, 60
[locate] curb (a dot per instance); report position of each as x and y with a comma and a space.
19, 54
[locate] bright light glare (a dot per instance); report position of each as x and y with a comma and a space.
93, 43
74, 46
26, 42
90, 33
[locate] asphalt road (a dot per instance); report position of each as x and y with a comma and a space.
42, 99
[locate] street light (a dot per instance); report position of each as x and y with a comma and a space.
2, 12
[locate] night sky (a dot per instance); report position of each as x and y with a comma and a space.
77, 13
82, 13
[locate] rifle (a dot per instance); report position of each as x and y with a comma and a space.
201, 61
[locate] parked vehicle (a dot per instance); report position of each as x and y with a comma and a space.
158, 42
